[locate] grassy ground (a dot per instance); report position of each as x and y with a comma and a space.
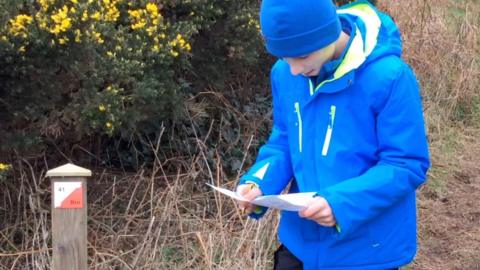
166, 218
442, 44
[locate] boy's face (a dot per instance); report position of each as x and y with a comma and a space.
310, 65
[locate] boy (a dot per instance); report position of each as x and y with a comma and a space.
347, 124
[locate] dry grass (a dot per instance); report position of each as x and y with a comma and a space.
149, 220
164, 217
441, 42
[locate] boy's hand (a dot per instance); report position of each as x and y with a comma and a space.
319, 211
249, 192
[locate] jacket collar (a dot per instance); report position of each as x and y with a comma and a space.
357, 52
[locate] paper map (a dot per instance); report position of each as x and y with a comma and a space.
289, 202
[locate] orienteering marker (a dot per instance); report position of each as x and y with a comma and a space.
69, 217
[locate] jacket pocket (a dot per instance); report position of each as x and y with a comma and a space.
362, 236
311, 231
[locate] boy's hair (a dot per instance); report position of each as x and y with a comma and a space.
293, 28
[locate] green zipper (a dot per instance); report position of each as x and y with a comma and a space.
328, 135
312, 89
297, 110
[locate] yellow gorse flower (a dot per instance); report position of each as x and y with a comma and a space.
96, 36
44, 4
62, 22
110, 88
138, 17
101, 108
153, 10
78, 36
112, 13
84, 16
180, 42
96, 16
63, 40
174, 53
151, 30
41, 19
145, 18
18, 25
4, 166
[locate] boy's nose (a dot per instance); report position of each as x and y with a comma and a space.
296, 69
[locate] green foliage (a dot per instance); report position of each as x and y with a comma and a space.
114, 67
229, 45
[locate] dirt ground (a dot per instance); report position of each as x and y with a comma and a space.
449, 214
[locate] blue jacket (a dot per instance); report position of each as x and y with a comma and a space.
357, 139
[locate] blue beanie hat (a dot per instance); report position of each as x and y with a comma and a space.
294, 28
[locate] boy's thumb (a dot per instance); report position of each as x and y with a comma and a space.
252, 193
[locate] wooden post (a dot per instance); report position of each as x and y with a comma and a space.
69, 217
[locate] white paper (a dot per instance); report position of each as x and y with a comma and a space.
229, 193
288, 202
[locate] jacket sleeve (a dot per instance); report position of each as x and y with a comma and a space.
403, 159
272, 170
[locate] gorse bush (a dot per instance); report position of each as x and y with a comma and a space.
102, 65
82, 67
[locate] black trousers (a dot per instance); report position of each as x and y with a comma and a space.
284, 260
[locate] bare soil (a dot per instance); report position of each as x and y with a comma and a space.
449, 215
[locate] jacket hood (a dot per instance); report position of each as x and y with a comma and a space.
376, 35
